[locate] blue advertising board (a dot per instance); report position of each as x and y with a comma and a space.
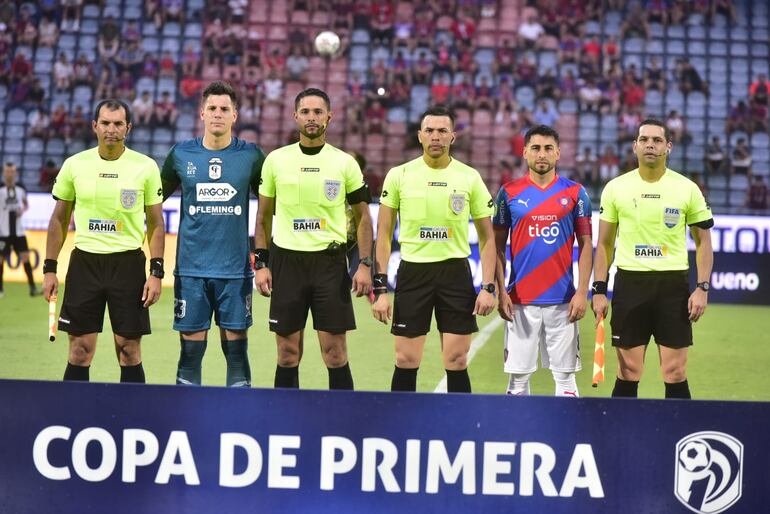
122, 448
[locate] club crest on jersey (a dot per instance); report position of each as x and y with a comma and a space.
435, 233
332, 189
128, 198
457, 203
670, 217
215, 168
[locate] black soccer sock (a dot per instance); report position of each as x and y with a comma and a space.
287, 377
76, 373
625, 388
341, 378
404, 379
237, 357
30, 276
458, 381
188, 371
134, 374
678, 390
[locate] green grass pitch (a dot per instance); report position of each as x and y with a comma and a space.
728, 361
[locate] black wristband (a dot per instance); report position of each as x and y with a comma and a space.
50, 265
380, 280
156, 267
261, 255
599, 287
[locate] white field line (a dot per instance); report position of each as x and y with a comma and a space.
477, 344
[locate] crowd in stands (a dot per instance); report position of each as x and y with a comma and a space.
435, 44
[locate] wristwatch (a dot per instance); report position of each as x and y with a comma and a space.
259, 265
704, 285
157, 273
366, 261
489, 288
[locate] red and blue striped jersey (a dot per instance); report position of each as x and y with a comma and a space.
542, 223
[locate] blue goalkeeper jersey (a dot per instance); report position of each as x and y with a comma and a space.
213, 239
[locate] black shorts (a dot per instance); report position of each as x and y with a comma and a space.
651, 303
317, 281
17, 243
114, 279
445, 286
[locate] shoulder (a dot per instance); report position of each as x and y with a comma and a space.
284, 151
461, 167
240, 145
79, 157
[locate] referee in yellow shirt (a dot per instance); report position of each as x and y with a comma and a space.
114, 189
434, 196
303, 188
647, 211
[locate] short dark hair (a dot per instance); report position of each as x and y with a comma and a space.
113, 104
220, 87
541, 130
657, 123
439, 110
313, 91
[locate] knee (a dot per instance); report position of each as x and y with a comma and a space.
288, 355
406, 360
456, 360
335, 356
80, 355
673, 372
129, 354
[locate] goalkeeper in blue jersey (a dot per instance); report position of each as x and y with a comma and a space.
213, 270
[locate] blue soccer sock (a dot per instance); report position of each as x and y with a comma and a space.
188, 370
237, 356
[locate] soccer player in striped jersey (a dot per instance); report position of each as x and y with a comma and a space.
544, 214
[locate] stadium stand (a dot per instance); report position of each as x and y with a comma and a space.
495, 60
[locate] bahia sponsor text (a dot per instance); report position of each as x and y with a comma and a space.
425, 466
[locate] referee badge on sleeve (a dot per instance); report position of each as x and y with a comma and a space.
128, 198
457, 202
332, 189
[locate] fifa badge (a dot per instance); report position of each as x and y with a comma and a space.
457, 202
332, 189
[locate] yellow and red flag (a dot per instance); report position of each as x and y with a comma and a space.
599, 353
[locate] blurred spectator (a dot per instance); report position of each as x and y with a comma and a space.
48, 174
297, 66
422, 68
403, 30
504, 173
150, 66
758, 90
399, 93
676, 125
589, 96
758, 112
505, 59
63, 73
507, 115
142, 109
586, 166
657, 11
170, 10
440, 90
635, 23
39, 121
629, 161
609, 165
654, 77
167, 65
83, 72
130, 58
628, 124
108, 48
248, 116
486, 97
463, 60
741, 159
276, 62
381, 22
531, 33
546, 114
125, 86
36, 93
443, 61
298, 38
191, 59
109, 30
424, 29
463, 28
568, 85
463, 93
400, 67
374, 119
165, 111
526, 73
71, 11
550, 17
593, 49
132, 32
517, 147
59, 125
547, 86
569, 49
48, 32
105, 85
715, 157
237, 10
739, 119
190, 88
688, 78
610, 52
21, 68
80, 126
610, 102
725, 8
757, 194
273, 88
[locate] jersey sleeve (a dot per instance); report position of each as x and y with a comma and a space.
607, 209
502, 216
582, 213
267, 178
482, 205
153, 187
169, 173
354, 178
390, 196
256, 171
697, 208
64, 186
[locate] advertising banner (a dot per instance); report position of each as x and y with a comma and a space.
124, 448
